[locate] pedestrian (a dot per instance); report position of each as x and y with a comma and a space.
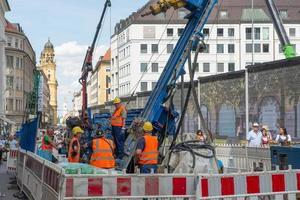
147, 150
118, 123
283, 137
2, 147
103, 152
74, 146
254, 137
200, 136
13, 143
265, 139
47, 141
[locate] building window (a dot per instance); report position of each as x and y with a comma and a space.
223, 14
9, 82
292, 32
9, 61
9, 41
9, 104
283, 14
206, 32
266, 48
170, 32
206, 49
231, 48
180, 31
149, 32
257, 33
220, 32
16, 43
144, 67
257, 48
144, 48
144, 86
266, 33
154, 48
249, 48
231, 32
154, 67
248, 33
170, 48
220, 48
49, 76
231, 67
220, 67
17, 63
153, 85
206, 67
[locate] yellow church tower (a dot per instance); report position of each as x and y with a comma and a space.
48, 65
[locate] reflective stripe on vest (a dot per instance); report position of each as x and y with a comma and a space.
117, 118
150, 154
102, 156
76, 158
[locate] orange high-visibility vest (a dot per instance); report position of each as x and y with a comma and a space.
76, 158
46, 147
103, 156
117, 119
150, 154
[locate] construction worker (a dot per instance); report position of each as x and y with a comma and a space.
47, 141
117, 123
147, 150
103, 152
74, 146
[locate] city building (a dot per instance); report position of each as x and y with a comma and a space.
77, 103
141, 46
45, 100
20, 66
48, 66
4, 7
103, 74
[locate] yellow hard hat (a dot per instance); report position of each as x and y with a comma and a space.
76, 130
148, 127
117, 100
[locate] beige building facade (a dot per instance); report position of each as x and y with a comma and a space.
48, 66
19, 71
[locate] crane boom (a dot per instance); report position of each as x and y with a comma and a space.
163, 117
287, 48
88, 60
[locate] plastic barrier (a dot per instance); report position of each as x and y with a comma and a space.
12, 160
266, 183
243, 158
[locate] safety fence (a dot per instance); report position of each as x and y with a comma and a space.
12, 160
41, 179
243, 158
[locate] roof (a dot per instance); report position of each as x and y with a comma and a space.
48, 45
106, 56
13, 27
6, 4
238, 11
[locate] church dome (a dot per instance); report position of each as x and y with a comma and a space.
48, 45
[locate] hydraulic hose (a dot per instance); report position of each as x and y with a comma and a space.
192, 147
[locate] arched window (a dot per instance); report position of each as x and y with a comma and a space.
49, 76
226, 121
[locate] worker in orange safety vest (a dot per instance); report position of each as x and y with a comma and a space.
147, 150
103, 152
74, 146
117, 123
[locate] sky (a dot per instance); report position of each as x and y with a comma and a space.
70, 25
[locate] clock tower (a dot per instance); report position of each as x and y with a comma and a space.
48, 66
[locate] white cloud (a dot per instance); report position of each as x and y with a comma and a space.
69, 58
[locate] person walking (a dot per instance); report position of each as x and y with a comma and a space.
147, 150
117, 123
283, 137
254, 137
103, 152
74, 146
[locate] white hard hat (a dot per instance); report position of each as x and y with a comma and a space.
255, 124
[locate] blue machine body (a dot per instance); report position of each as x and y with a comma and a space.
283, 156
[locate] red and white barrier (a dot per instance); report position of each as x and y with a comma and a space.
249, 184
126, 186
12, 157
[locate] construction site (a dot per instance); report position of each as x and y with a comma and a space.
193, 134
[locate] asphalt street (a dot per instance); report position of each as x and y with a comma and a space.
5, 192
